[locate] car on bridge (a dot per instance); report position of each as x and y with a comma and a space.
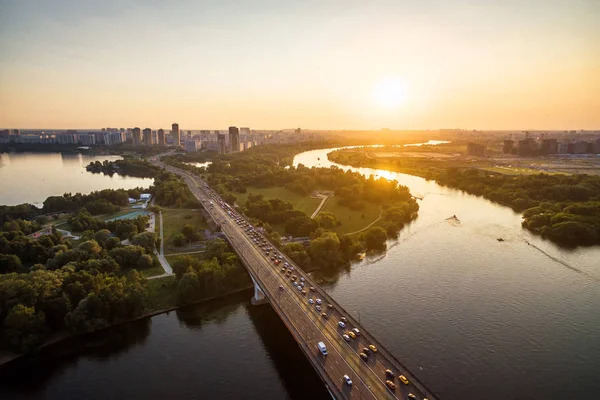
390, 385
373, 348
356, 331
341, 324
347, 380
351, 334
322, 348
403, 379
364, 357
311, 301
346, 337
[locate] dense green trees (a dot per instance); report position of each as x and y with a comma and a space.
375, 238
47, 285
220, 271
126, 167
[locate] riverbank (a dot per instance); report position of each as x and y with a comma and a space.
6, 357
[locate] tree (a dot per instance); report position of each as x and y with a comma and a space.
22, 328
179, 240
146, 240
189, 287
10, 263
326, 220
325, 250
375, 238
91, 247
145, 262
101, 236
190, 232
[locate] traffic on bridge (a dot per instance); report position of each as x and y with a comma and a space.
351, 363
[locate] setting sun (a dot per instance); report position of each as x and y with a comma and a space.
390, 93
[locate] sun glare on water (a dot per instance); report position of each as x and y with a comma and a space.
390, 93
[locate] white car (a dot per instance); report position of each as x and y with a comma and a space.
319, 301
301, 279
347, 380
346, 337
299, 287
311, 301
356, 331
318, 308
341, 324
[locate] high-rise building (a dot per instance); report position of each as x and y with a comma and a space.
175, 134
234, 139
147, 137
221, 146
137, 136
161, 137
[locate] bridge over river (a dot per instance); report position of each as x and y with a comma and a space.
306, 324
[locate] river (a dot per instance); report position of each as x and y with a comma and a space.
473, 317
32, 177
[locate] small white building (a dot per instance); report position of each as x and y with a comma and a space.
132, 200
145, 196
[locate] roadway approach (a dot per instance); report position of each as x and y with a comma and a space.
304, 322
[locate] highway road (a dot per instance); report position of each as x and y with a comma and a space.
306, 323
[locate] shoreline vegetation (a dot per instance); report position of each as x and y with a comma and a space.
564, 209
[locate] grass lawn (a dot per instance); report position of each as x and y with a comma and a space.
517, 171
173, 258
351, 220
162, 293
154, 271
302, 203
173, 221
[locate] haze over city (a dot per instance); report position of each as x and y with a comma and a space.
281, 64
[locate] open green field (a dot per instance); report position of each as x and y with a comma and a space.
351, 220
172, 258
154, 271
162, 293
173, 221
518, 171
303, 203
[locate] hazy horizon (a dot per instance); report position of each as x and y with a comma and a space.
281, 64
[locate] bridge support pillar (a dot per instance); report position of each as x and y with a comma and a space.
259, 296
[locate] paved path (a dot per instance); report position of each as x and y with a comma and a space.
186, 252
320, 207
161, 254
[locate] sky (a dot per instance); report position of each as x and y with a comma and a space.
322, 64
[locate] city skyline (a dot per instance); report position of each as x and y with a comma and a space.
277, 65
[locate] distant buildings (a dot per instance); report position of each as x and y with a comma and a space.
137, 136
161, 138
474, 149
147, 137
191, 146
221, 144
176, 135
234, 139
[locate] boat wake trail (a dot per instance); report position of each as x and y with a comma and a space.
563, 263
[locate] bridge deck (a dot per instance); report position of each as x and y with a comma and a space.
306, 324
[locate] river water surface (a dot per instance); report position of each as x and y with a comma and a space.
32, 177
473, 317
